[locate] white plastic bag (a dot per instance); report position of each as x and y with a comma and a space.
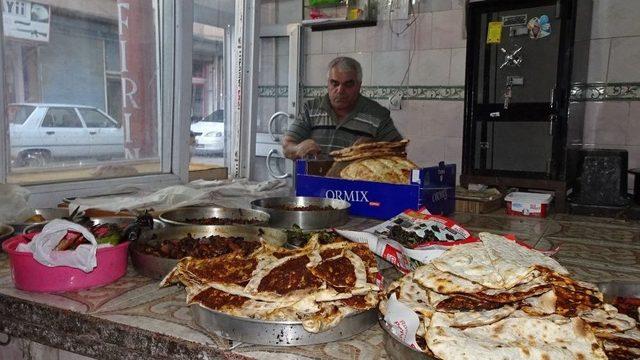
403, 321
13, 204
43, 243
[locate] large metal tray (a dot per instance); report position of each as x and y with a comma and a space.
179, 216
307, 220
279, 333
157, 267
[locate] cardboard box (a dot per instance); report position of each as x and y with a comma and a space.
432, 187
478, 202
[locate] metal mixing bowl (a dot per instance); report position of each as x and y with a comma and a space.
306, 220
48, 215
123, 221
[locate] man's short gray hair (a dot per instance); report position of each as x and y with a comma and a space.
346, 64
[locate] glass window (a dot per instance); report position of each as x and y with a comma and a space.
95, 119
210, 124
61, 117
92, 59
18, 114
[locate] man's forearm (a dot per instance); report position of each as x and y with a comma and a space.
289, 149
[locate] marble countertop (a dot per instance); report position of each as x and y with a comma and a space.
133, 318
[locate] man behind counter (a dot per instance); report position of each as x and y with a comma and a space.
341, 118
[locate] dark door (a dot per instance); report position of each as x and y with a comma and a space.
512, 103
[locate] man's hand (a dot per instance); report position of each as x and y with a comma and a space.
307, 147
293, 150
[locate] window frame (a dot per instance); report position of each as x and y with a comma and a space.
173, 34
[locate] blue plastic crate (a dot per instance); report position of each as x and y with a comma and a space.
431, 187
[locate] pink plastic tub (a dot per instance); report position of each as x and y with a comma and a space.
30, 275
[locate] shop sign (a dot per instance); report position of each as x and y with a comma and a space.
26, 20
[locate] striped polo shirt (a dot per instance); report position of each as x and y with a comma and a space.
319, 122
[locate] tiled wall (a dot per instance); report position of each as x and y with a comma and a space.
615, 58
435, 49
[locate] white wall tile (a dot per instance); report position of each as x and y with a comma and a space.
458, 66
443, 118
613, 18
335, 41
424, 26
312, 42
457, 4
373, 38
289, 11
401, 37
606, 123
633, 132
430, 67
624, 63
448, 30
405, 118
388, 67
598, 60
436, 5
364, 58
426, 151
315, 71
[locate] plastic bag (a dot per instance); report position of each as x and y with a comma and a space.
43, 243
14, 207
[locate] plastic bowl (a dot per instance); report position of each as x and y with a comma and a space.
30, 275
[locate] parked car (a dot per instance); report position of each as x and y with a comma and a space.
40, 133
209, 133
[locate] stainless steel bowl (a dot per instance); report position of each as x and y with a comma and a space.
157, 267
118, 220
48, 215
5, 232
179, 216
307, 220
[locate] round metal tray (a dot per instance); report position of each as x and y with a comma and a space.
279, 333
48, 215
119, 220
395, 348
179, 216
307, 220
157, 267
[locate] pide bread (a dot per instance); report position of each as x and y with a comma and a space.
496, 299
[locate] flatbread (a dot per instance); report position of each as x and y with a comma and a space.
443, 282
514, 262
513, 338
390, 169
370, 146
471, 262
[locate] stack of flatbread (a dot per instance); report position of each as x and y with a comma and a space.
317, 284
379, 161
495, 299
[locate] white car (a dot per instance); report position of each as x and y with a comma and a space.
209, 133
40, 133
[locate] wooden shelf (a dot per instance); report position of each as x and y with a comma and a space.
339, 24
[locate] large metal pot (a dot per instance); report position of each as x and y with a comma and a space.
157, 267
180, 216
305, 219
